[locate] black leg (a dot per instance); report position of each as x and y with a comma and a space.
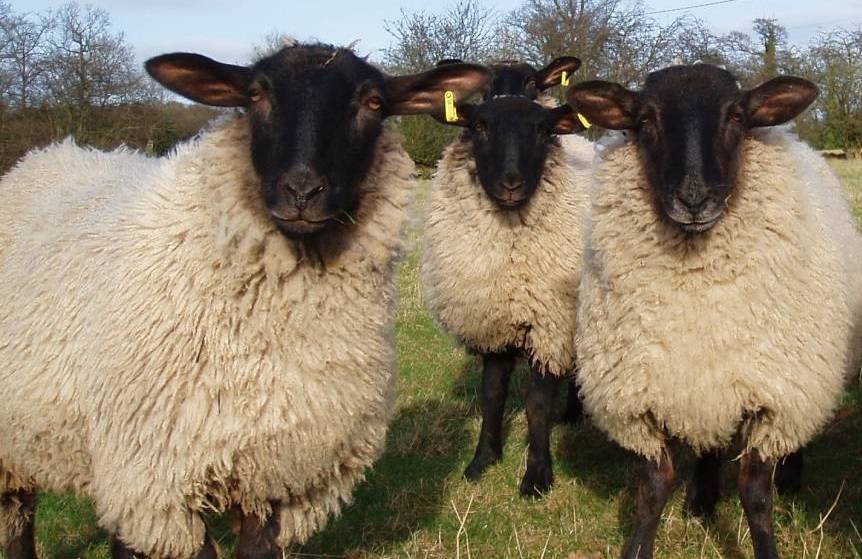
653, 491
257, 538
788, 473
755, 491
541, 393
705, 489
574, 410
21, 543
120, 550
496, 370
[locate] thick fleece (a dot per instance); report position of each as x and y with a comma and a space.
165, 350
497, 278
744, 327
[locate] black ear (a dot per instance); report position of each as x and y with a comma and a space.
564, 120
778, 100
464, 113
202, 79
446, 61
606, 104
424, 93
552, 74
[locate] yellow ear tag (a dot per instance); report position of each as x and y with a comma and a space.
449, 104
565, 80
584, 120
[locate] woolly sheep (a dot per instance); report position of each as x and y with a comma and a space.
719, 275
213, 329
502, 248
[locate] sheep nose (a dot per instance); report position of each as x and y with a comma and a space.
693, 199
301, 186
512, 180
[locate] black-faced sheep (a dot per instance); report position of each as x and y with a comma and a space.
212, 329
717, 294
502, 250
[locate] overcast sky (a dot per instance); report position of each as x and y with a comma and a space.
227, 29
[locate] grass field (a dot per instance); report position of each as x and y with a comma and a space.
416, 504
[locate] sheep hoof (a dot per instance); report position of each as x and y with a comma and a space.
479, 464
537, 482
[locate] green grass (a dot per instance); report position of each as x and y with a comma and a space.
415, 503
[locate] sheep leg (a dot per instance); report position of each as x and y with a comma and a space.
755, 492
653, 492
705, 489
257, 539
21, 542
496, 370
120, 550
788, 473
541, 394
574, 410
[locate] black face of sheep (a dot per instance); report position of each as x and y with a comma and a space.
316, 112
511, 133
690, 123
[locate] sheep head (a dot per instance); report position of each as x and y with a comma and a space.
316, 113
690, 123
511, 133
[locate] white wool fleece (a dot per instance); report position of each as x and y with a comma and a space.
687, 336
166, 350
498, 278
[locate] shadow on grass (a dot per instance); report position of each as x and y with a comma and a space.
833, 463
404, 491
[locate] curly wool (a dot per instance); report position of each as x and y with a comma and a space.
746, 325
497, 278
167, 351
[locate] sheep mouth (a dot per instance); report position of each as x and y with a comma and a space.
697, 225
300, 226
510, 201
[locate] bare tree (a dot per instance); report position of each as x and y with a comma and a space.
89, 65
613, 39
465, 30
24, 50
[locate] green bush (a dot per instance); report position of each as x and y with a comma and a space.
425, 138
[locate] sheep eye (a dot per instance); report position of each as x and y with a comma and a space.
480, 127
735, 116
646, 120
374, 103
255, 93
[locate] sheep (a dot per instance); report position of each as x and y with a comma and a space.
213, 329
501, 251
719, 278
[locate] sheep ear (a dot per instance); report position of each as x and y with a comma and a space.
552, 74
778, 100
564, 120
424, 93
463, 114
606, 104
202, 79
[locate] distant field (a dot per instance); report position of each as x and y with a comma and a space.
416, 504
